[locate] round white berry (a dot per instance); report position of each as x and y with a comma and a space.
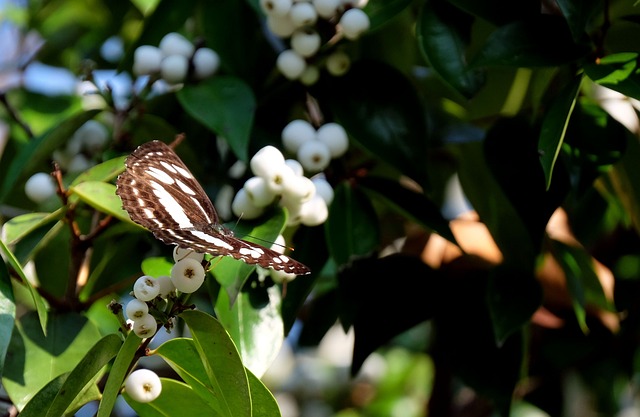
135, 309
295, 166
338, 63
335, 137
314, 212
146, 288
303, 14
258, 191
112, 49
175, 44
323, 189
295, 133
143, 386
305, 42
241, 206
280, 26
40, 187
174, 69
146, 60
79, 163
145, 326
279, 176
276, 7
354, 22
326, 8
187, 275
310, 75
265, 161
279, 245
298, 189
314, 156
166, 286
291, 64
280, 277
179, 254
205, 63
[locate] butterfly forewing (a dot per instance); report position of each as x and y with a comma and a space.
160, 193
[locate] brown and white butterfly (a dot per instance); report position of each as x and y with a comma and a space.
160, 193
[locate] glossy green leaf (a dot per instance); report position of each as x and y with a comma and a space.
157, 266
579, 14
352, 227
542, 41
104, 172
18, 227
7, 313
388, 121
255, 325
262, 401
177, 399
38, 301
40, 150
381, 12
102, 197
117, 374
414, 205
618, 72
34, 359
443, 36
554, 127
226, 106
226, 374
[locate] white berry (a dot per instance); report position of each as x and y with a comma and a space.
179, 254
314, 212
135, 309
258, 191
205, 63
326, 8
112, 49
295, 166
354, 22
143, 385
145, 326
335, 137
146, 60
174, 69
314, 156
242, 206
166, 286
338, 63
146, 288
187, 275
291, 64
280, 26
276, 7
295, 133
305, 42
175, 44
265, 161
303, 14
323, 189
40, 187
298, 189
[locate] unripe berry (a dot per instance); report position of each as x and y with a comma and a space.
145, 326
305, 42
326, 8
338, 63
303, 14
180, 254
242, 206
314, 156
174, 69
146, 288
146, 60
280, 26
276, 7
205, 63
175, 44
135, 309
335, 137
187, 275
310, 75
295, 133
291, 64
265, 161
354, 22
143, 386
40, 187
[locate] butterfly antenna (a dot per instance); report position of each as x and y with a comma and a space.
177, 141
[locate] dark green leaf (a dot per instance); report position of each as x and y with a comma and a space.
7, 313
352, 226
625, 179
382, 11
554, 127
579, 14
443, 36
501, 11
176, 399
226, 105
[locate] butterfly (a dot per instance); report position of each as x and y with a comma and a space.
161, 194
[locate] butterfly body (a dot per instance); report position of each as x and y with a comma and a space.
160, 193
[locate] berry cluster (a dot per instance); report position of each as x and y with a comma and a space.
173, 58
308, 24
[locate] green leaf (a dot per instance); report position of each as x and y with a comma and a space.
227, 377
103, 172
443, 36
554, 127
255, 325
579, 14
177, 399
542, 41
388, 121
499, 12
35, 359
382, 11
352, 226
618, 72
40, 149
18, 227
54, 403
117, 374
262, 401
225, 105
102, 197
38, 301
411, 204
156, 266
7, 313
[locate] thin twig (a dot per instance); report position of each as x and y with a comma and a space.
15, 116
